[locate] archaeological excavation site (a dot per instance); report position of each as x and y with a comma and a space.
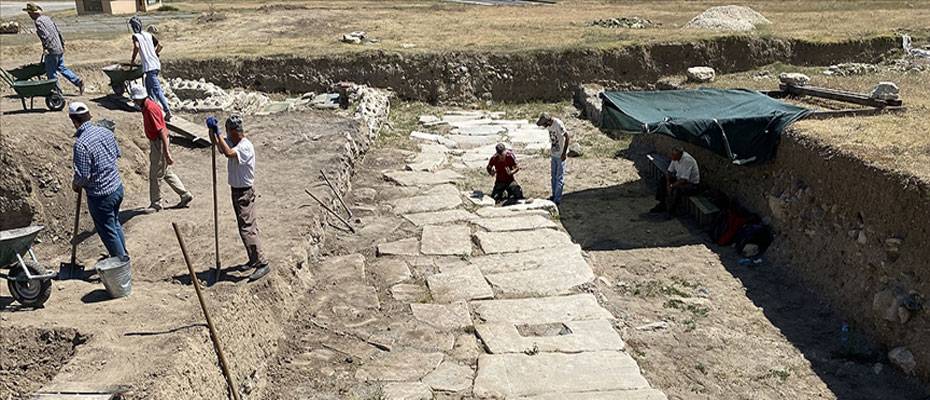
465, 199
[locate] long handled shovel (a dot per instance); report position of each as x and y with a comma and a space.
73, 270
216, 223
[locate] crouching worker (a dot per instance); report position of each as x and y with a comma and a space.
240, 167
503, 165
96, 172
681, 181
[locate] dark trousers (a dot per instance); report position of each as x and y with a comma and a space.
512, 189
672, 198
243, 200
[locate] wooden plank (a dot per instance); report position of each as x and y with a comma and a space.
856, 112
188, 130
838, 95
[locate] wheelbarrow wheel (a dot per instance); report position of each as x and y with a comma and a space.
30, 293
55, 101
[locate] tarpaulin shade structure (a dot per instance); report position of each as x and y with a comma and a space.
742, 125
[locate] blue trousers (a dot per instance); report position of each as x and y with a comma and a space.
558, 178
54, 64
153, 87
104, 210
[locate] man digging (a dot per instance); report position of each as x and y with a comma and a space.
240, 167
559, 139
96, 172
160, 158
53, 47
503, 165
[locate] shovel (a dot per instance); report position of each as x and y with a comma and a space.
73, 270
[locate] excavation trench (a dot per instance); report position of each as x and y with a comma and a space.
813, 214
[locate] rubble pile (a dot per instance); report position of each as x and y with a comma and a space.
200, 96
624, 22
728, 18
9, 28
851, 69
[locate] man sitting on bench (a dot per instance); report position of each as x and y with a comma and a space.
682, 179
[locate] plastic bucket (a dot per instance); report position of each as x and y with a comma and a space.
116, 275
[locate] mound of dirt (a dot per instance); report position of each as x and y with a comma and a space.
728, 18
30, 357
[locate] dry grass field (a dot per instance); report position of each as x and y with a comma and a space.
315, 27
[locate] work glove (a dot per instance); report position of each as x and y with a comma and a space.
213, 125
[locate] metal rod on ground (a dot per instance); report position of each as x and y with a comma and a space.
325, 207
203, 306
336, 192
216, 222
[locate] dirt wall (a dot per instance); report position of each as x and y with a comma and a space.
854, 233
525, 76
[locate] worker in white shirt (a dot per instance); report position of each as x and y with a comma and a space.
681, 180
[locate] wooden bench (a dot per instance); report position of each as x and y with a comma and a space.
703, 210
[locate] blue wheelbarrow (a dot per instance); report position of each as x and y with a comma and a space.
29, 282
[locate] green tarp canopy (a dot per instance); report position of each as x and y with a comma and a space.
742, 125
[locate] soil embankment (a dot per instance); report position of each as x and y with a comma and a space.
523, 76
850, 231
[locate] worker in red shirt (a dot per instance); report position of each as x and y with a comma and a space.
503, 165
159, 153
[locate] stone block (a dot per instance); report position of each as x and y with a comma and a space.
390, 271
450, 377
440, 217
407, 391
419, 204
543, 310
446, 240
445, 317
515, 223
513, 242
403, 247
465, 283
579, 336
422, 178
398, 366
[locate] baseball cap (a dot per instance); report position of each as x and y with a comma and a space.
543, 119
138, 93
77, 108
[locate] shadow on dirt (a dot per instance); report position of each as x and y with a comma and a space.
614, 218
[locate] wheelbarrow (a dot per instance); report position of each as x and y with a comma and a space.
121, 74
27, 82
29, 282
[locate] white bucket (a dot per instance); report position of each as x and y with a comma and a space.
116, 275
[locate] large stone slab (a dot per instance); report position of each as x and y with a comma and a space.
399, 366
543, 310
410, 334
450, 377
409, 292
479, 130
407, 391
445, 317
422, 178
432, 137
446, 189
430, 158
346, 299
579, 336
446, 240
523, 208
636, 394
545, 281
516, 223
470, 142
390, 271
403, 247
464, 283
562, 256
341, 268
512, 375
440, 217
419, 204
512, 242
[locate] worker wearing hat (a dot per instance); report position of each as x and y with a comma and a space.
160, 159
240, 168
96, 172
53, 46
559, 138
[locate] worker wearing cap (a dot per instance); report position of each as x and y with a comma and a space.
503, 166
160, 158
240, 168
53, 46
96, 172
559, 139
145, 45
